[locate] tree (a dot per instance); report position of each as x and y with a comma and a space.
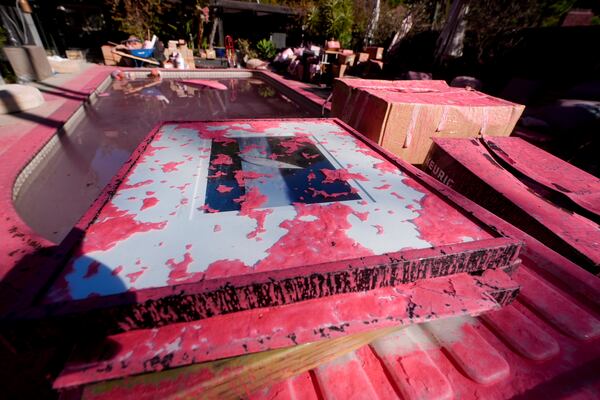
332, 19
140, 18
398, 21
387, 22
373, 23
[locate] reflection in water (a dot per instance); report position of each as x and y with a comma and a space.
70, 178
266, 91
285, 179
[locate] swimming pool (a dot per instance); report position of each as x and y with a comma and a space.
63, 179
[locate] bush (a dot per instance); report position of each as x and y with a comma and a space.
245, 49
266, 49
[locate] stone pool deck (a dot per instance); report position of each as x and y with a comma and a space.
22, 136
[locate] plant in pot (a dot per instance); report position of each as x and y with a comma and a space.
266, 49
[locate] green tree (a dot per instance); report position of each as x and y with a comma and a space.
141, 18
332, 19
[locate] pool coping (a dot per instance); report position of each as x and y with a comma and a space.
23, 250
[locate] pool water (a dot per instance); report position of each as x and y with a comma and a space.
73, 174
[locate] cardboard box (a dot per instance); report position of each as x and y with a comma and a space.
76, 54
65, 66
344, 90
339, 70
375, 53
465, 165
403, 116
110, 58
186, 53
362, 57
346, 59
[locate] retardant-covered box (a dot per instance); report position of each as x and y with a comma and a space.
546, 197
403, 116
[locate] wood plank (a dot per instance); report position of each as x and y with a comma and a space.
172, 346
147, 60
239, 376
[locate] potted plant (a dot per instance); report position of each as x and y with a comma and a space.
266, 49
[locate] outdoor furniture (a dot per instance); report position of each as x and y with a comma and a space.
39, 61
375, 53
19, 62
28, 62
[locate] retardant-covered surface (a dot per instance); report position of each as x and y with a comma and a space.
233, 191
544, 345
514, 353
556, 175
467, 166
235, 212
177, 345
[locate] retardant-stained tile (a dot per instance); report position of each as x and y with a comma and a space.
345, 379
522, 334
476, 357
557, 308
405, 356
